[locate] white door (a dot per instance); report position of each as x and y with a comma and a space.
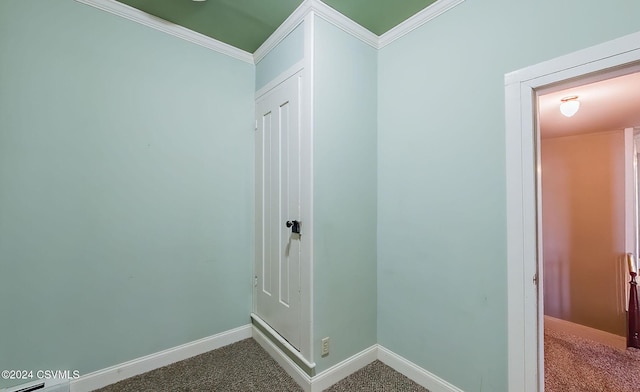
278, 247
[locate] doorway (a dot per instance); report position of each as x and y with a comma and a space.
587, 217
282, 279
614, 58
587, 224
279, 228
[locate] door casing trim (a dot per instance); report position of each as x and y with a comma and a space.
524, 346
306, 187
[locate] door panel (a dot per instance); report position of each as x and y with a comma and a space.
278, 201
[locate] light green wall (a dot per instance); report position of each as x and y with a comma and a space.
344, 194
442, 296
288, 52
126, 196
126, 191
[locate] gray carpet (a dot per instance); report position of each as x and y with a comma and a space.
376, 377
245, 366
572, 364
239, 367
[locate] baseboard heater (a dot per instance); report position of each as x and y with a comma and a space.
40, 386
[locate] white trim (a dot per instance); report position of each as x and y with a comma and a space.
515, 250
525, 365
282, 341
630, 214
535, 116
343, 369
414, 372
297, 16
325, 12
630, 193
113, 374
344, 23
290, 24
294, 69
317, 383
431, 12
622, 48
326, 378
582, 331
154, 22
306, 189
292, 369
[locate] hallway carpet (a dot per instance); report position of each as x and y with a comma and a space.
573, 364
245, 366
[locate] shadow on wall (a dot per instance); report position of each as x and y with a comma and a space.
584, 229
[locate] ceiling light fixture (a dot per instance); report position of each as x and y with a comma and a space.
569, 105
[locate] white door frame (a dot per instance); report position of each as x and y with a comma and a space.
525, 357
306, 65
305, 355
630, 203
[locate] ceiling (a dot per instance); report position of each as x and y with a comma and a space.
607, 105
246, 24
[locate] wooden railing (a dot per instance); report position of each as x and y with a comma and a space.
633, 322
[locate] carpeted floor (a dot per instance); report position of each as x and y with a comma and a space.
245, 366
239, 367
376, 377
572, 364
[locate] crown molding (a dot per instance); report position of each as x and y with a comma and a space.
325, 12
296, 17
434, 10
154, 22
317, 6
348, 25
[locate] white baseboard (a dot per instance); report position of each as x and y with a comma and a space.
292, 369
324, 379
316, 383
113, 374
328, 377
337, 372
414, 372
606, 338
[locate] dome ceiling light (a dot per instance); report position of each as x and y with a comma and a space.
569, 106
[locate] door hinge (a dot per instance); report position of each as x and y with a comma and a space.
255, 281
256, 128
535, 279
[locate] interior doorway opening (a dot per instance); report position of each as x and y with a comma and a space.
600, 62
586, 219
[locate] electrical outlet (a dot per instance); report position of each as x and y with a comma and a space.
325, 347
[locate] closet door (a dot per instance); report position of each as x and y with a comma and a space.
279, 229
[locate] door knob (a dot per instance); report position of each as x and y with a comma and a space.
294, 225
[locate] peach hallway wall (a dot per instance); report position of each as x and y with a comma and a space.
583, 229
